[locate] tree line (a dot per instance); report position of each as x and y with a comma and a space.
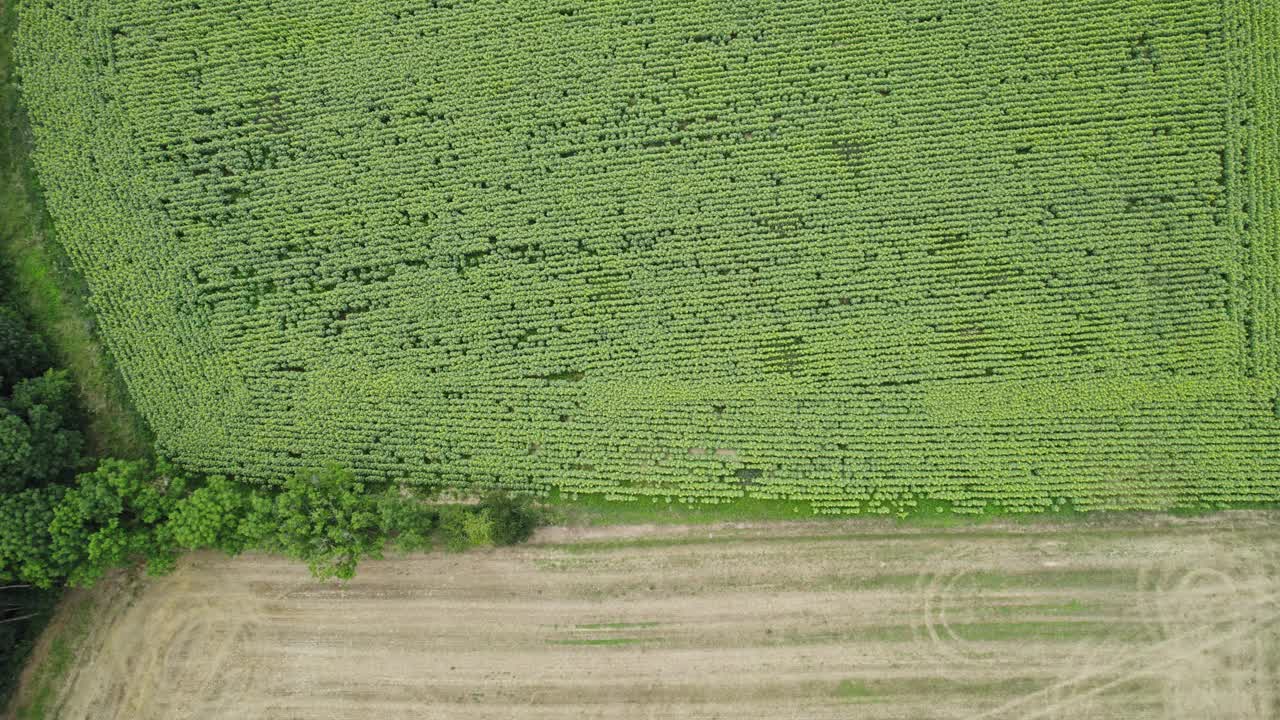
66, 518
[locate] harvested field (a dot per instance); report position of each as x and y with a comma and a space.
1162, 618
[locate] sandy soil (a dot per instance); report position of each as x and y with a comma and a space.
1160, 618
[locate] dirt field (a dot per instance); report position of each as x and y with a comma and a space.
1159, 619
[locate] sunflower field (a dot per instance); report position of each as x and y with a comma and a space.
871, 256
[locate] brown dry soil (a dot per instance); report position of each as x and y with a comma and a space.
1146, 618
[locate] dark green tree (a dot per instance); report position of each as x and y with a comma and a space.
15, 452
115, 516
514, 518
22, 353
26, 547
327, 519
37, 444
52, 390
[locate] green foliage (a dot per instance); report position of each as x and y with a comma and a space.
460, 527
15, 451
26, 546
498, 519
982, 255
37, 444
112, 517
327, 519
53, 390
129, 511
222, 515
55, 449
513, 518
407, 522
22, 353
477, 529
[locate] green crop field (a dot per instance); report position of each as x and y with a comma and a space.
877, 256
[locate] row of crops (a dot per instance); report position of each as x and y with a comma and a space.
875, 256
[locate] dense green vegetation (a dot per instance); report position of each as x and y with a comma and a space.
36, 276
871, 256
127, 511
39, 454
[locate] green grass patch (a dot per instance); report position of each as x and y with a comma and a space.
591, 510
1048, 631
597, 641
973, 632
1068, 608
1049, 579
596, 510
985, 583
616, 626
863, 689
854, 689
50, 675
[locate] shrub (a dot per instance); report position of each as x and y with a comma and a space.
513, 517
22, 354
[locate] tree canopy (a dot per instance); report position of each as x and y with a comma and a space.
327, 519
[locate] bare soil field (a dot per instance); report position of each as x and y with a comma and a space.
1154, 618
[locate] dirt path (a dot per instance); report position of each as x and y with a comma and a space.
1159, 619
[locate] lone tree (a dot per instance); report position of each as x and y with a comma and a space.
327, 519
513, 517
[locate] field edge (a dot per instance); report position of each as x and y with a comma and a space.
44, 283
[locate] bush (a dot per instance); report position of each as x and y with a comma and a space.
513, 517
22, 354
26, 545
112, 517
216, 515
53, 390
37, 444
407, 522
478, 528
453, 528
